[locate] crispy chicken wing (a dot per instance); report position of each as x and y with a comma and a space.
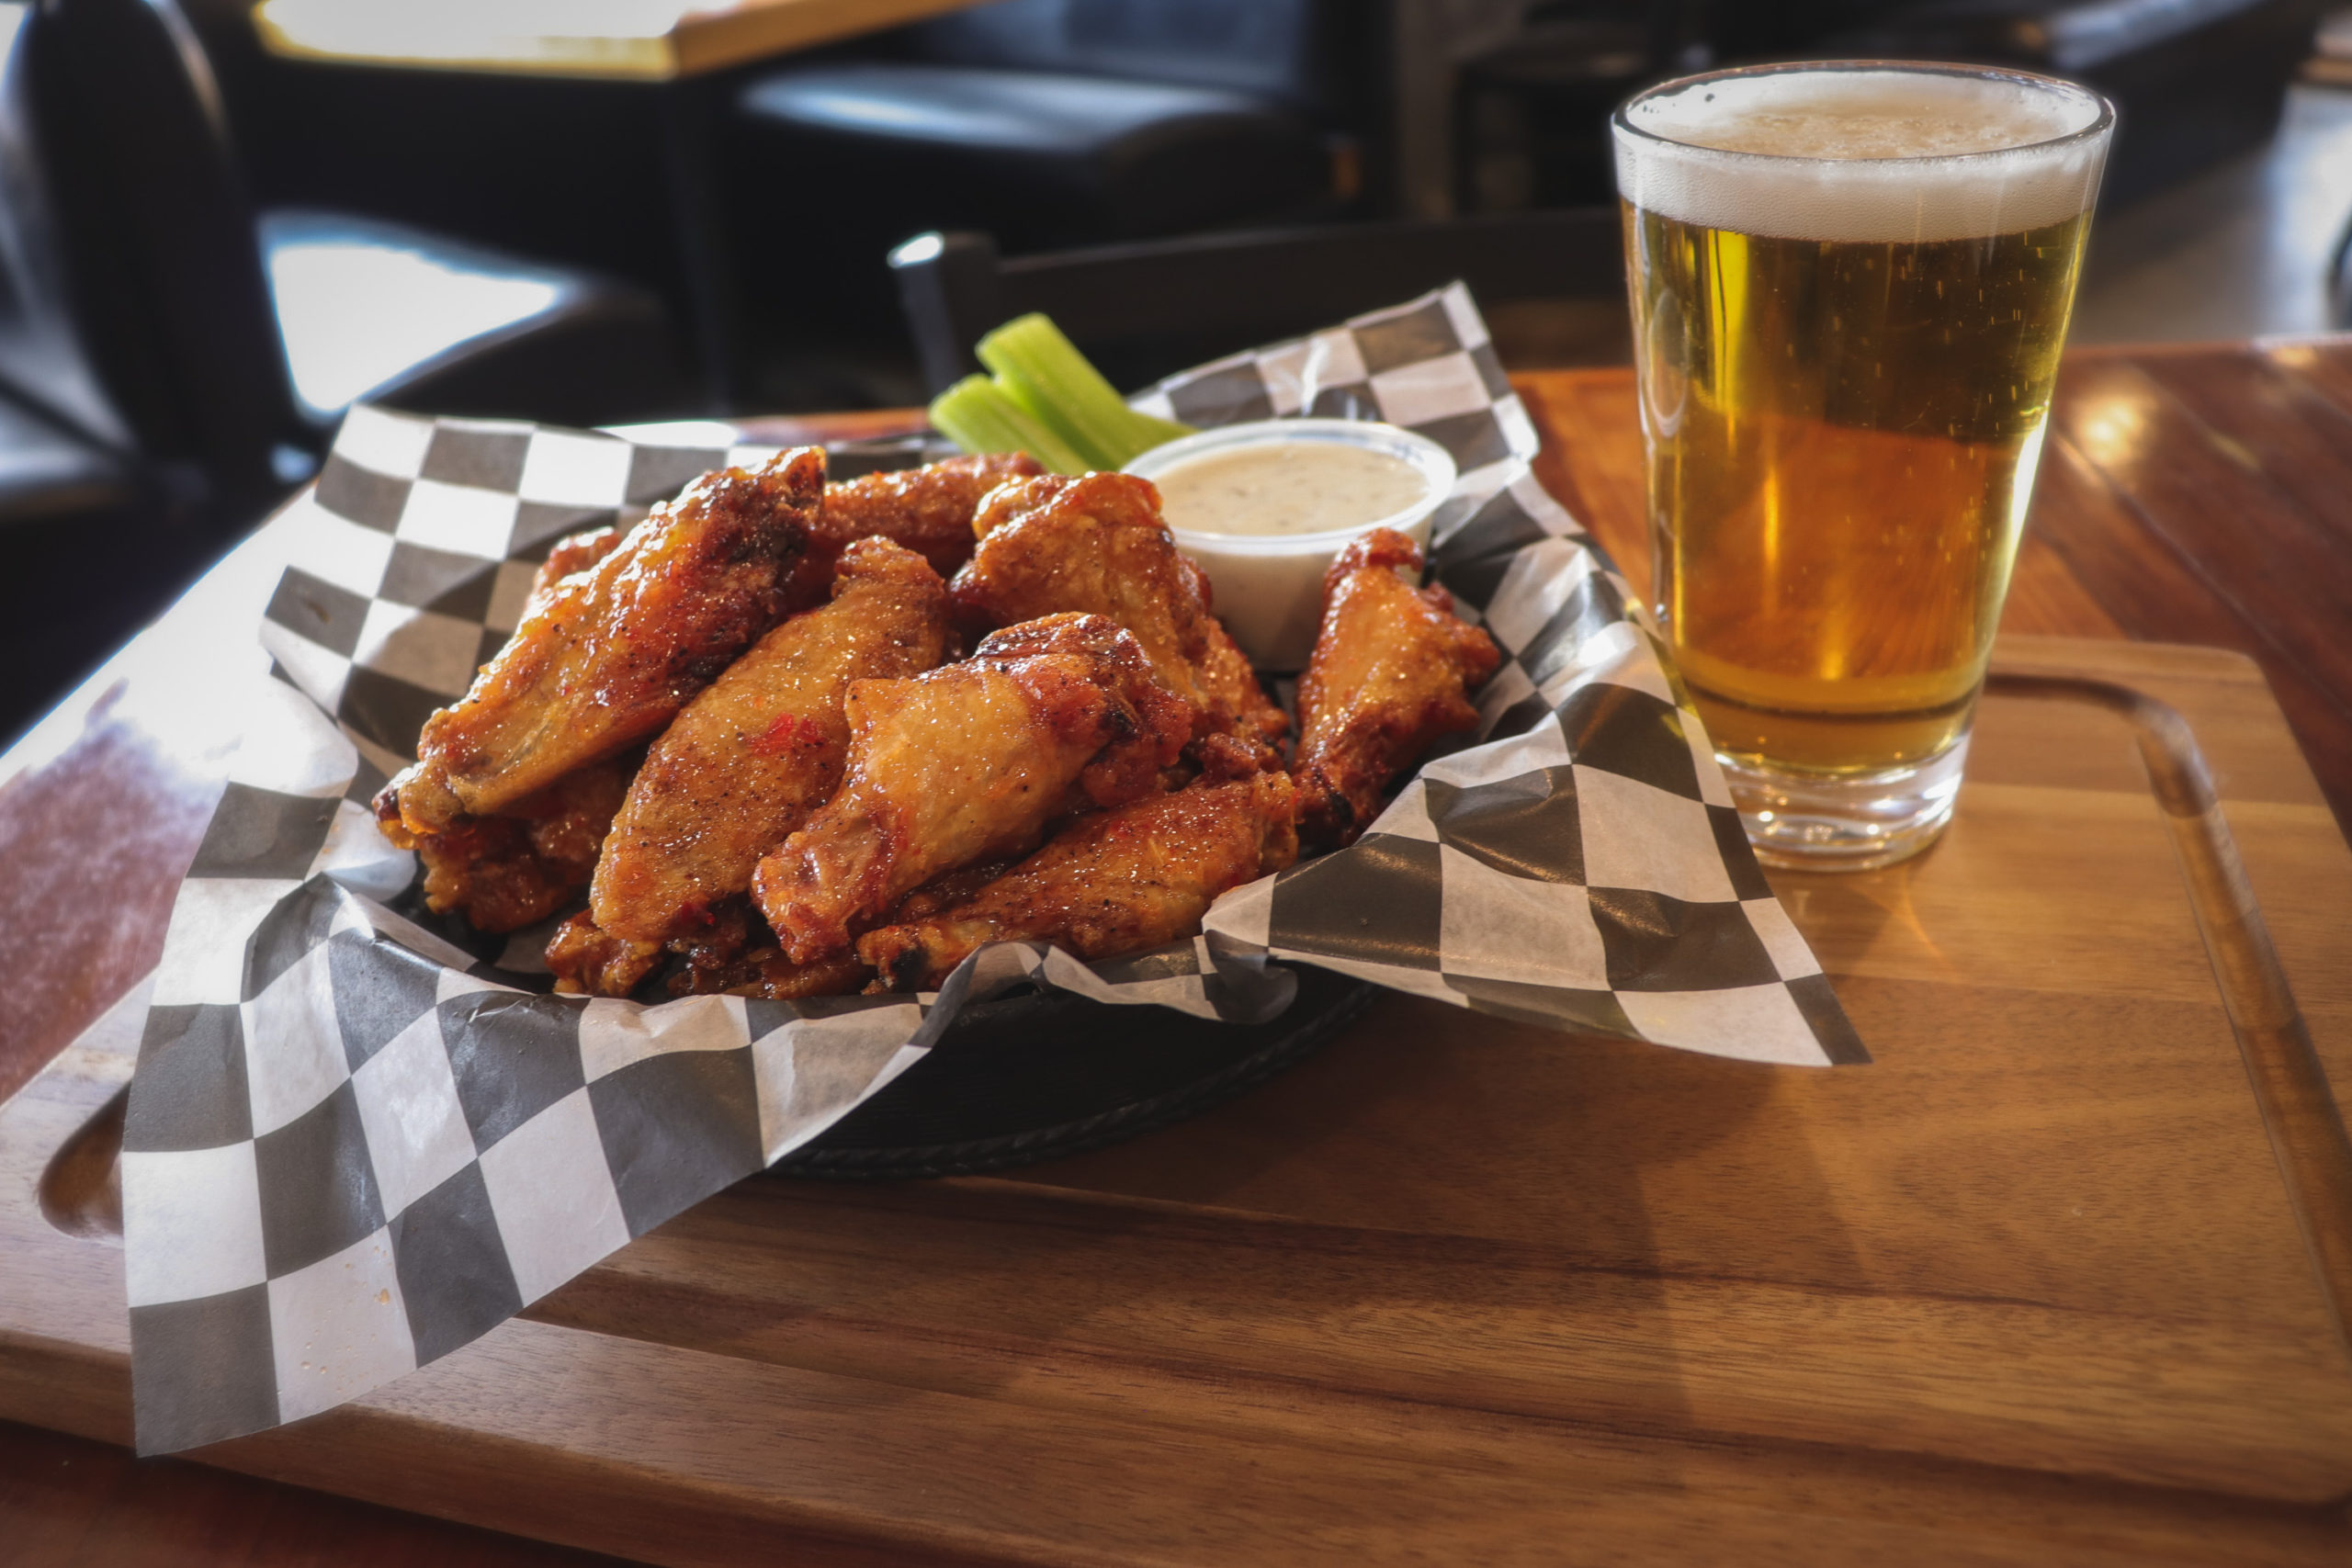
609, 654
1391, 669
569, 556
766, 972
1095, 543
516, 868
1110, 883
735, 954
1228, 683
749, 759
929, 510
588, 960
971, 760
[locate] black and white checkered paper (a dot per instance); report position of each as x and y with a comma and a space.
360, 1137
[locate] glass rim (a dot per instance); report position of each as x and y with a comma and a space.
2100, 125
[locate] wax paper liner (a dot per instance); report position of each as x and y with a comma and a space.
358, 1138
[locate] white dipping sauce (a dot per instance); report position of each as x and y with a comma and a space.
1262, 507
1290, 487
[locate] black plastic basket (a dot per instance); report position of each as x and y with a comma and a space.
1037, 1074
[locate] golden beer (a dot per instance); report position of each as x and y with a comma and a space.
1851, 286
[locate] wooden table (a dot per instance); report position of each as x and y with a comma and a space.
634, 41
2193, 495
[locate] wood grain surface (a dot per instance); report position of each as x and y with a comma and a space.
655, 42
69, 1500
2030, 1287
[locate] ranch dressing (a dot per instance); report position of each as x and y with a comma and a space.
1288, 487
1262, 507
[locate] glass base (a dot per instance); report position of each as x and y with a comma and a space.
1858, 822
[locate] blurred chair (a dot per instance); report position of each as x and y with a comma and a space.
1143, 311
86, 556
1056, 157
2193, 81
1048, 123
171, 362
2339, 277
90, 547
223, 343
1060, 122
1532, 85
1530, 110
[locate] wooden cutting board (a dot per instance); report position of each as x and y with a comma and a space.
2060, 1276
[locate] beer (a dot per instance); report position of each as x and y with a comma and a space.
1851, 286
1840, 476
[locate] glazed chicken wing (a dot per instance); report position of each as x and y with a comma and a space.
516, 869
747, 761
1095, 543
1229, 686
929, 510
569, 556
970, 761
588, 960
1110, 884
609, 654
735, 954
766, 972
1392, 668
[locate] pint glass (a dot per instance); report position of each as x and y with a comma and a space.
1850, 283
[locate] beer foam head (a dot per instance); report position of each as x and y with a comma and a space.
1863, 152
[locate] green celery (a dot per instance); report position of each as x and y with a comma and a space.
1046, 412
1047, 375
977, 415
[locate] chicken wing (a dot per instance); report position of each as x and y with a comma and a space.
1391, 669
569, 556
766, 972
589, 961
929, 510
747, 761
733, 954
1229, 686
970, 761
1110, 884
611, 652
516, 869
1095, 543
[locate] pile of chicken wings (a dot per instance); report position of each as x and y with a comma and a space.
798, 738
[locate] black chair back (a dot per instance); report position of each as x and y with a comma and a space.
2339, 279
1142, 311
163, 269
1300, 51
42, 363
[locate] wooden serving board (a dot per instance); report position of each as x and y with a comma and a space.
2061, 1276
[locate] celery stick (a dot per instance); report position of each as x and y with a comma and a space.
976, 415
1050, 377
1048, 412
